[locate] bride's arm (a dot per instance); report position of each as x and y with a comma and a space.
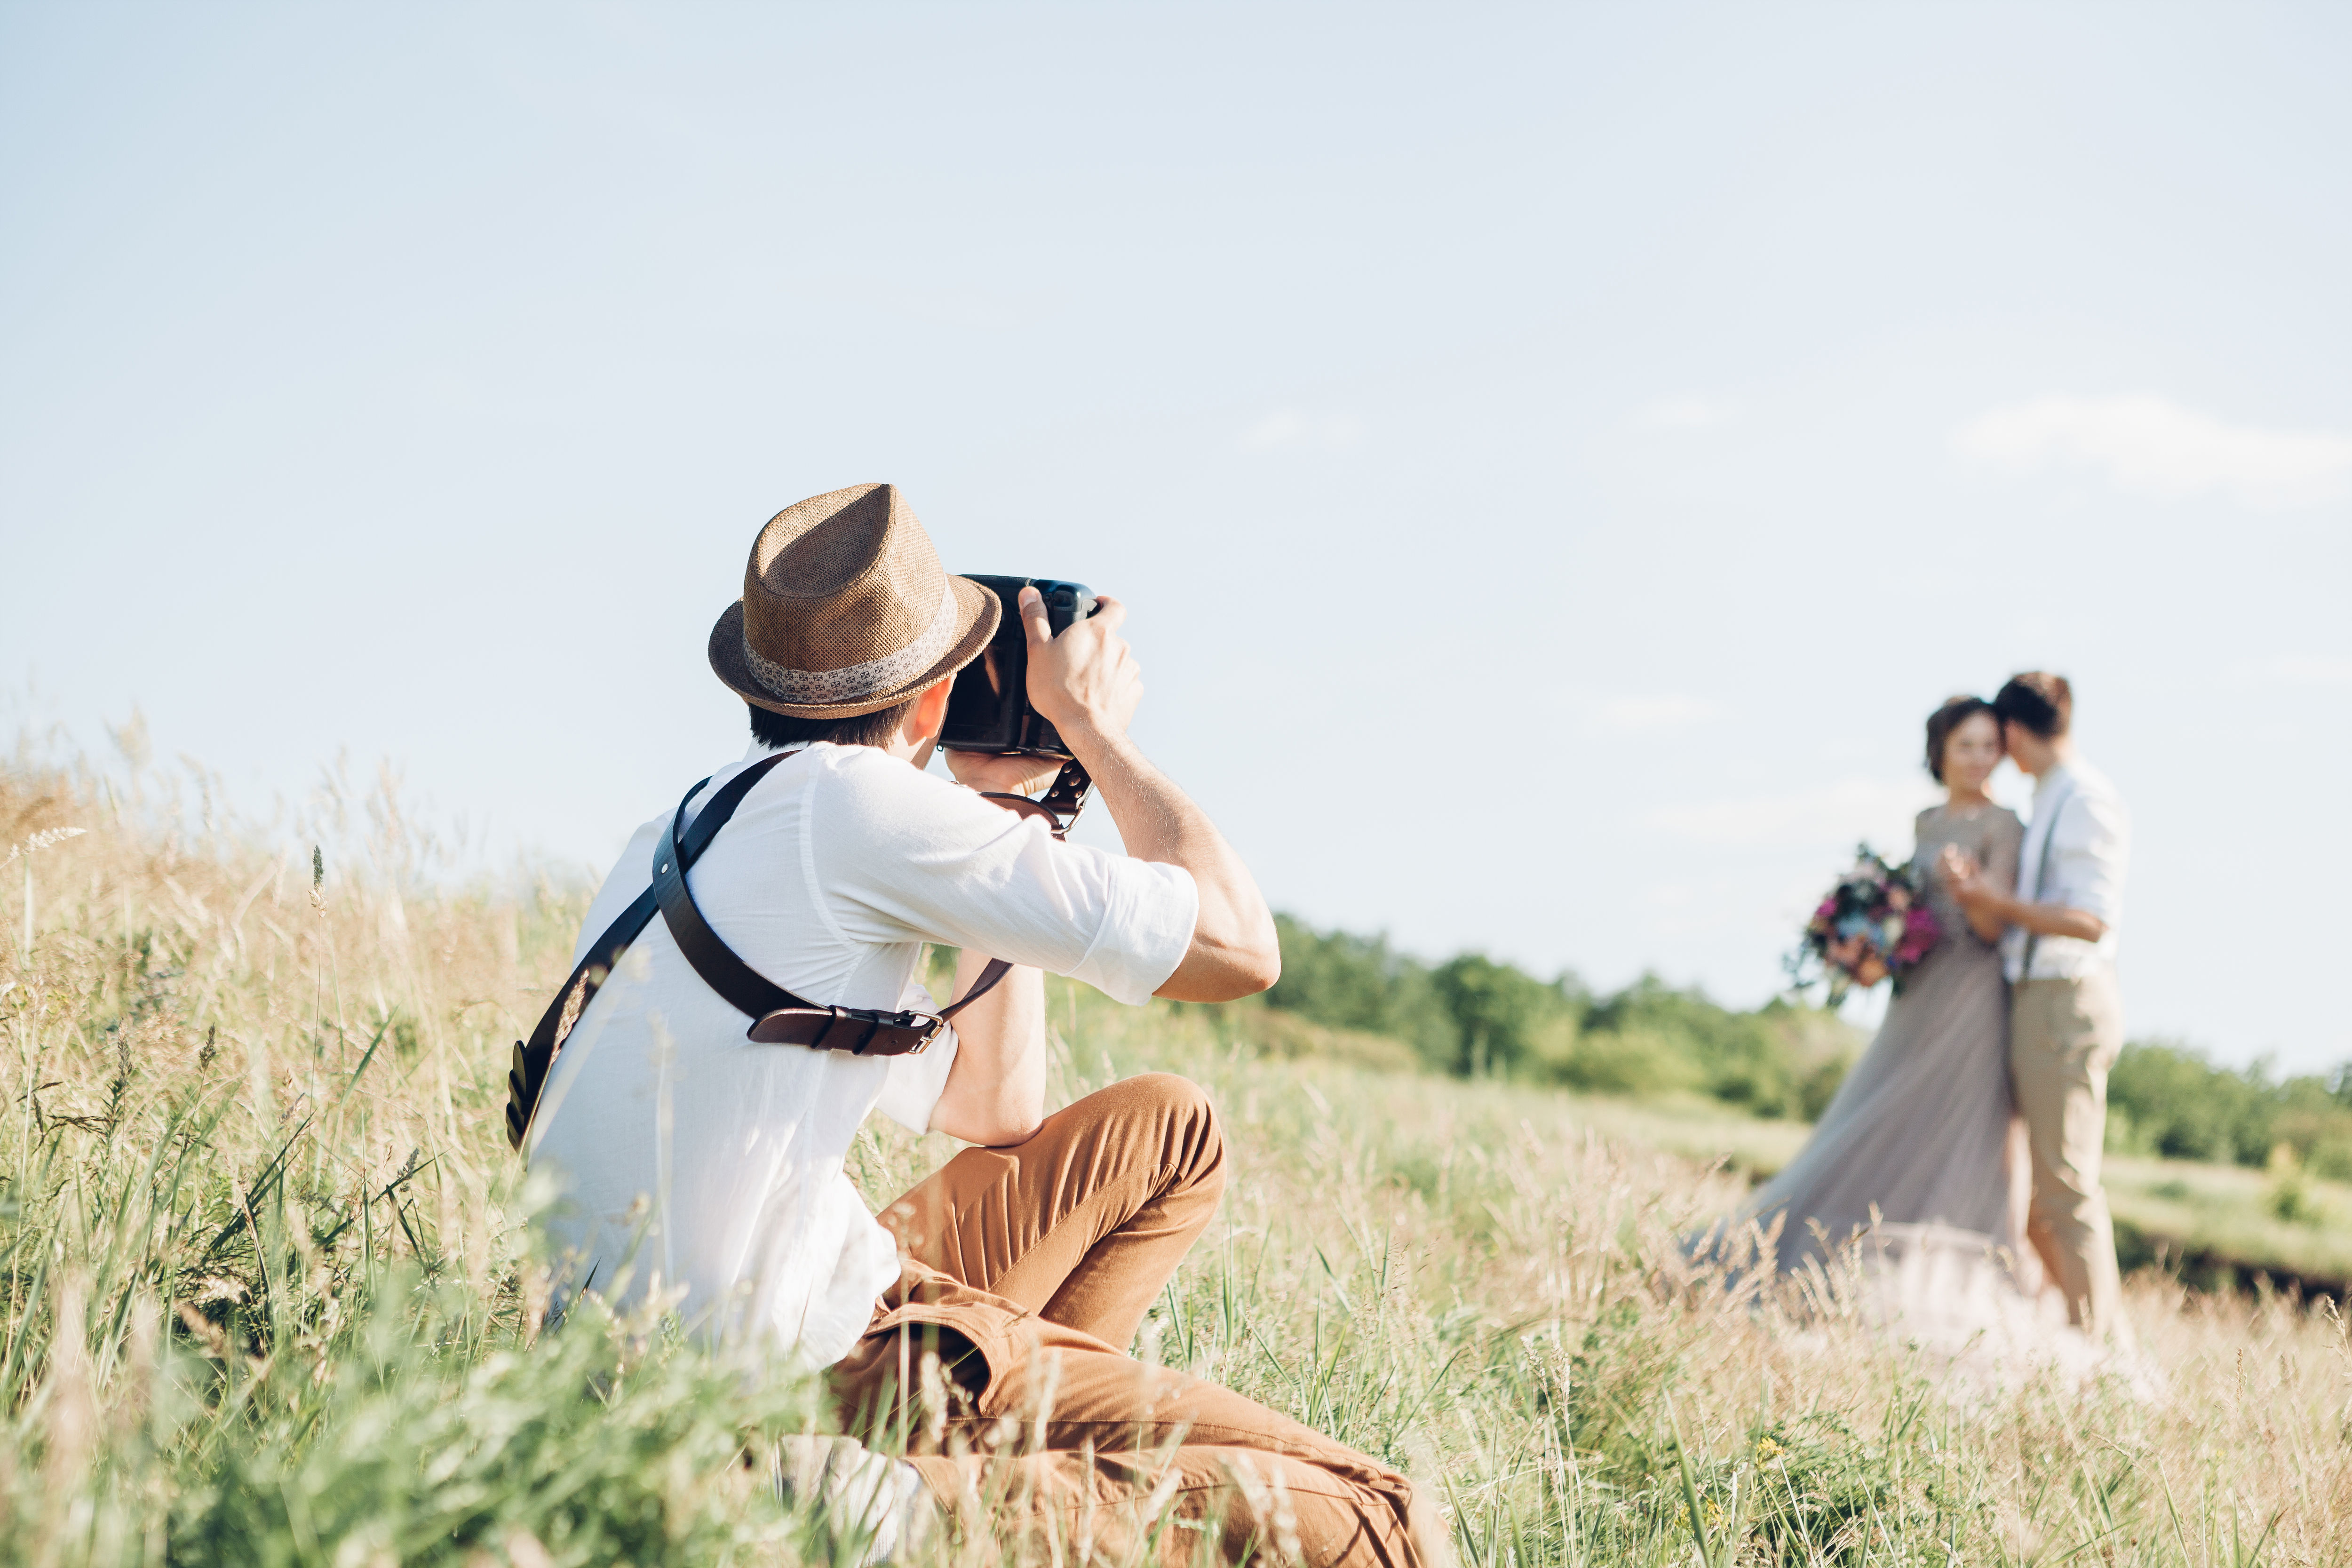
1999, 875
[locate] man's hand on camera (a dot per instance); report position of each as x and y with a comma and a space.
993, 774
1085, 682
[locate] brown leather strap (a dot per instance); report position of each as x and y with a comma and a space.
1061, 802
745, 988
778, 1017
527, 1075
864, 1031
995, 969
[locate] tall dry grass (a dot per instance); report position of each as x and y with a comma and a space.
263, 1297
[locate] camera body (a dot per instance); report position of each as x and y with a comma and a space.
988, 707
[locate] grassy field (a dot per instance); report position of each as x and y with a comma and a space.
2217, 1222
261, 1299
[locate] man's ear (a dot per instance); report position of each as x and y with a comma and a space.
929, 715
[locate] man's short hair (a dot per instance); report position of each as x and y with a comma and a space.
778, 730
2042, 702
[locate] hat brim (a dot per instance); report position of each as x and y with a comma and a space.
977, 609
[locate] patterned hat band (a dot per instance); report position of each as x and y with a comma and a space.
854, 683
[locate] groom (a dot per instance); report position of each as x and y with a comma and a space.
2065, 1020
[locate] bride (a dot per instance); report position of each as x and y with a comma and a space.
1915, 1148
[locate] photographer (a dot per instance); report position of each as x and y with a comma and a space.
706, 1165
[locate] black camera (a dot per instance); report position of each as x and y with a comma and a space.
988, 708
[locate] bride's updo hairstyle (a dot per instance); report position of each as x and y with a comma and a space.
1955, 712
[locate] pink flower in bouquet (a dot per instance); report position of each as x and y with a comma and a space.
1921, 932
1874, 925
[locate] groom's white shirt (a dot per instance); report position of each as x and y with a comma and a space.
2081, 823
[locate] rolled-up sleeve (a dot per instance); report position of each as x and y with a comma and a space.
914, 857
1145, 934
2089, 843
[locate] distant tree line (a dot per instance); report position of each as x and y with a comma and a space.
1475, 1017
2167, 1098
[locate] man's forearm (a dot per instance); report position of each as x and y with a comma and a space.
1233, 946
2047, 920
1157, 821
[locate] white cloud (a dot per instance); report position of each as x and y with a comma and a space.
1833, 817
2151, 445
1649, 715
1682, 414
1291, 427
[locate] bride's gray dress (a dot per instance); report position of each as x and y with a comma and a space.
1907, 1208
1915, 1148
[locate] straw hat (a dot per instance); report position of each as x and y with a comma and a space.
846, 610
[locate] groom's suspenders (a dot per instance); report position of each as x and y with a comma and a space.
777, 1017
2041, 877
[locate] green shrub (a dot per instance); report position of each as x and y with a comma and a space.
1349, 982
1474, 1016
1498, 1011
1627, 1061
2169, 1099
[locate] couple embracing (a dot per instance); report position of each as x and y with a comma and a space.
1972, 1127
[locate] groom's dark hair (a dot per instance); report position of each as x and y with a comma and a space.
2043, 703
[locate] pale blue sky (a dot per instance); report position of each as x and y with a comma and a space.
1556, 456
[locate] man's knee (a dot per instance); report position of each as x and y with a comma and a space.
1431, 1537
1188, 1120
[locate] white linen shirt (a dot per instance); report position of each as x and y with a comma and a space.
706, 1164
2082, 820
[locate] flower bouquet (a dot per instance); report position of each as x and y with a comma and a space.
1874, 925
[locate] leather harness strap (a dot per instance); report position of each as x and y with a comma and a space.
777, 1017
1061, 802
528, 1074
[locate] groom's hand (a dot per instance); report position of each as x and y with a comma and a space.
1987, 910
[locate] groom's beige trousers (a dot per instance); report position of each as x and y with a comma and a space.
2064, 1037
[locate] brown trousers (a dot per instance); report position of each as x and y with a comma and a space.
1025, 1269
2063, 1037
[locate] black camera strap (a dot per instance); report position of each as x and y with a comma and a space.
1061, 802
777, 1017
